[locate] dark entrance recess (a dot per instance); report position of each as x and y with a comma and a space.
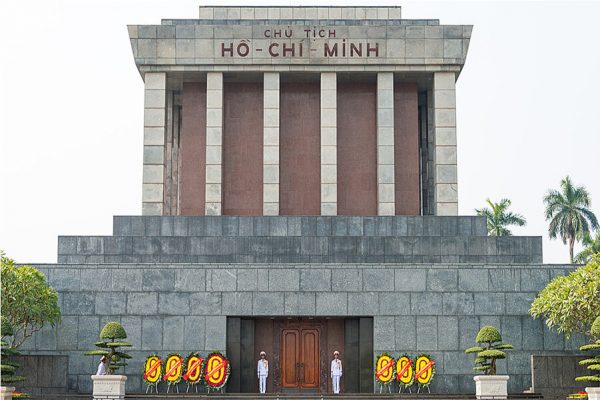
299, 351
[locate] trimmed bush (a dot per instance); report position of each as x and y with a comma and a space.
593, 364
489, 351
110, 348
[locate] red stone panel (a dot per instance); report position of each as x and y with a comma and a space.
299, 141
357, 148
243, 148
406, 149
193, 149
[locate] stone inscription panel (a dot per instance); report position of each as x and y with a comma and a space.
298, 44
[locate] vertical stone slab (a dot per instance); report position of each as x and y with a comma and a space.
154, 142
214, 142
406, 149
243, 127
193, 149
271, 144
444, 119
357, 148
300, 148
328, 143
385, 144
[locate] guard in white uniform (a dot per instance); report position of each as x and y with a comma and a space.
263, 372
336, 372
102, 366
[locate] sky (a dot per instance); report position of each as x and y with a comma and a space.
71, 110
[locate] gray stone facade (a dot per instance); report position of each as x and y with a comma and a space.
436, 309
435, 306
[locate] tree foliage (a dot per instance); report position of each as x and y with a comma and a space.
570, 304
28, 303
499, 218
592, 364
569, 213
591, 246
489, 351
110, 348
8, 368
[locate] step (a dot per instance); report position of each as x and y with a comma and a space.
272, 396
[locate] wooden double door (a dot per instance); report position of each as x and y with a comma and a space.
300, 357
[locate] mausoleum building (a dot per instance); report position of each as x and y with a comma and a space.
300, 196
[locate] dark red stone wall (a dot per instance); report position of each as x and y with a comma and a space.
243, 148
299, 147
357, 148
193, 149
406, 149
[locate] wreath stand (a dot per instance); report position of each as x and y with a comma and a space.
173, 384
195, 385
389, 388
424, 387
404, 389
149, 388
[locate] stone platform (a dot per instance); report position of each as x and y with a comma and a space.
299, 240
245, 396
427, 283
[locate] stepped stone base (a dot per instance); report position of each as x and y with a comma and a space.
299, 240
428, 283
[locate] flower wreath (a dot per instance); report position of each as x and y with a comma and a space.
152, 370
384, 369
194, 369
424, 370
405, 371
216, 371
173, 369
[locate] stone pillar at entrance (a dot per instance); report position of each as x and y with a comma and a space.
328, 143
444, 161
154, 142
271, 144
214, 142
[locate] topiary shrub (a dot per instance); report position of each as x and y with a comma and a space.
593, 364
110, 348
489, 351
8, 368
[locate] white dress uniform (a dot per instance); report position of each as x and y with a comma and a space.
101, 368
336, 374
263, 373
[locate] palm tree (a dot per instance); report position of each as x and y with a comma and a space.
569, 213
591, 247
498, 217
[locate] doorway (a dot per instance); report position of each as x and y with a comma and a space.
299, 358
299, 350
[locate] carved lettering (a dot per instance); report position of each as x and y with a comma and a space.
272, 50
321, 38
226, 49
355, 50
373, 49
289, 50
330, 51
243, 49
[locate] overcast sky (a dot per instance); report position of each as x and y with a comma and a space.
71, 108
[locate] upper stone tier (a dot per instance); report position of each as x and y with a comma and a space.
299, 39
295, 239
382, 14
